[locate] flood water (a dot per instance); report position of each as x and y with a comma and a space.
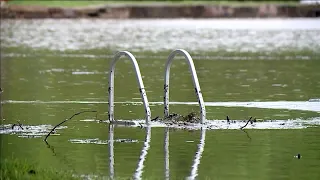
52, 69
235, 35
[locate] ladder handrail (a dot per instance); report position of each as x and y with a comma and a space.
140, 82
194, 78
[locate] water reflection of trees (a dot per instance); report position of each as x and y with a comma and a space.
145, 149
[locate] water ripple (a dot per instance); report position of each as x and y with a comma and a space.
311, 105
232, 35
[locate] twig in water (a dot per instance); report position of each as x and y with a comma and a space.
228, 120
246, 134
51, 147
141, 126
45, 139
246, 123
254, 120
154, 119
19, 124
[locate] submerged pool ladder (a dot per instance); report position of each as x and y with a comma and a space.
166, 84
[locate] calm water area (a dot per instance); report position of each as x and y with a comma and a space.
262, 68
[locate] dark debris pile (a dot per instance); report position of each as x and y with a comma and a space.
192, 117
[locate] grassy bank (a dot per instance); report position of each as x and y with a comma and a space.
14, 169
75, 3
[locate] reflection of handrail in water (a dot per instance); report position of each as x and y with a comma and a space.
144, 153
196, 162
166, 153
142, 158
111, 151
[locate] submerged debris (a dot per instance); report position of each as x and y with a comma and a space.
19, 125
249, 120
228, 120
175, 119
192, 117
32, 171
155, 119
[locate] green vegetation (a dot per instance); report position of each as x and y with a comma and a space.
14, 169
72, 3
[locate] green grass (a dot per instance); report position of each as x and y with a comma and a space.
76, 3
14, 169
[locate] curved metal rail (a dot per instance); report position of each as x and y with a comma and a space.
194, 78
139, 78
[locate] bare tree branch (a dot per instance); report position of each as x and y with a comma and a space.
45, 139
228, 120
246, 123
19, 124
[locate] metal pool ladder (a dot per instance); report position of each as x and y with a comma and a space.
166, 84
194, 78
139, 78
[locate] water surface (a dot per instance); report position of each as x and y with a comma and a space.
267, 69
231, 35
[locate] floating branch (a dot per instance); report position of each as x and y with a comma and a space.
45, 139
249, 120
228, 120
141, 126
192, 117
254, 120
246, 133
155, 119
19, 124
51, 147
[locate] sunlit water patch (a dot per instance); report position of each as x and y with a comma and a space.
28, 131
311, 105
196, 57
232, 35
98, 141
38, 131
223, 124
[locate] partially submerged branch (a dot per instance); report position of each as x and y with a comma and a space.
155, 119
45, 139
51, 147
249, 120
246, 133
19, 124
228, 120
192, 117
